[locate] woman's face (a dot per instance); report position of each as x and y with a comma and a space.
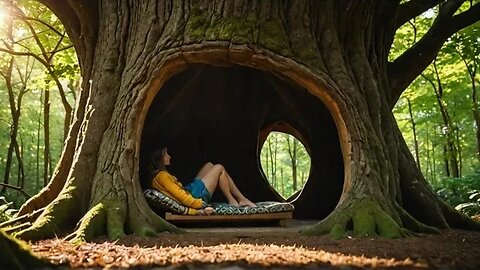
166, 157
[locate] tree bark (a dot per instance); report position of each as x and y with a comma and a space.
472, 71
336, 50
414, 130
292, 152
46, 136
15, 109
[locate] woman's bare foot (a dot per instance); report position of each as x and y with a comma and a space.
207, 211
233, 202
246, 202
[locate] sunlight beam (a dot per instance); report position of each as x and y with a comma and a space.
3, 20
3, 16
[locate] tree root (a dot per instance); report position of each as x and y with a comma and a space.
364, 216
413, 224
151, 225
108, 217
457, 219
18, 227
18, 255
90, 226
162, 225
58, 214
22, 219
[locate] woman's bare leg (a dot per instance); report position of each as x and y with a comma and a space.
242, 200
217, 176
206, 167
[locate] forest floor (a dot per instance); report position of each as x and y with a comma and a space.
273, 247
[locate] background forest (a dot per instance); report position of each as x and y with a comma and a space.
438, 114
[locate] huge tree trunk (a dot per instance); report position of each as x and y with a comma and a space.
336, 50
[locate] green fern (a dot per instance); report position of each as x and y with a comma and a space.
5, 212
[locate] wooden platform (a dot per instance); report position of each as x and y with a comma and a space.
279, 216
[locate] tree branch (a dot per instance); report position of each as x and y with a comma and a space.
466, 18
413, 61
412, 9
80, 18
38, 58
17, 189
65, 13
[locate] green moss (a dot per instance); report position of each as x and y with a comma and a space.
235, 29
145, 231
244, 34
116, 214
272, 36
363, 220
308, 54
338, 232
92, 224
387, 227
16, 254
367, 217
53, 218
196, 26
232, 29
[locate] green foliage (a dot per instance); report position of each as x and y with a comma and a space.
463, 193
456, 64
458, 56
43, 53
6, 212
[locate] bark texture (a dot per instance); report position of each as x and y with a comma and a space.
334, 51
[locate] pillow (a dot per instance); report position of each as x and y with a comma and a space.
158, 199
261, 208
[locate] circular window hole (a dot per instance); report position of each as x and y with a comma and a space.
285, 163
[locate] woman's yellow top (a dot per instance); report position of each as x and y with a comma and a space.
170, 186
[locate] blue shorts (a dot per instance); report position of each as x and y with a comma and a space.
198, 190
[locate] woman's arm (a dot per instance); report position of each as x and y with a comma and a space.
165, 182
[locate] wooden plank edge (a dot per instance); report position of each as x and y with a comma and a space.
249, 217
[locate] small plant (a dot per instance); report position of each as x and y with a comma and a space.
462, 193
6, 213
471, 208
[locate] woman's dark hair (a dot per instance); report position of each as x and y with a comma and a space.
156, 162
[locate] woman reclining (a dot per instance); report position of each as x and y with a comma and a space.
198, 193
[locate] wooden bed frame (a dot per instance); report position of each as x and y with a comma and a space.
281, 217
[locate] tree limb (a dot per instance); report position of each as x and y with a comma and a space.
20, 14
412, 9
65, 13
17, 189
80, 19
51, 27
38, 58
466, 18
413, 61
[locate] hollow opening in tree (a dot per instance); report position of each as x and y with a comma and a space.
285, 161
223, 115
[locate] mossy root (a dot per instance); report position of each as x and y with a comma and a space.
16, 254
366, 218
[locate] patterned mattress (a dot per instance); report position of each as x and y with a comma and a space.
158, 199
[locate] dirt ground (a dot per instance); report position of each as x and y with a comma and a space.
273, 247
